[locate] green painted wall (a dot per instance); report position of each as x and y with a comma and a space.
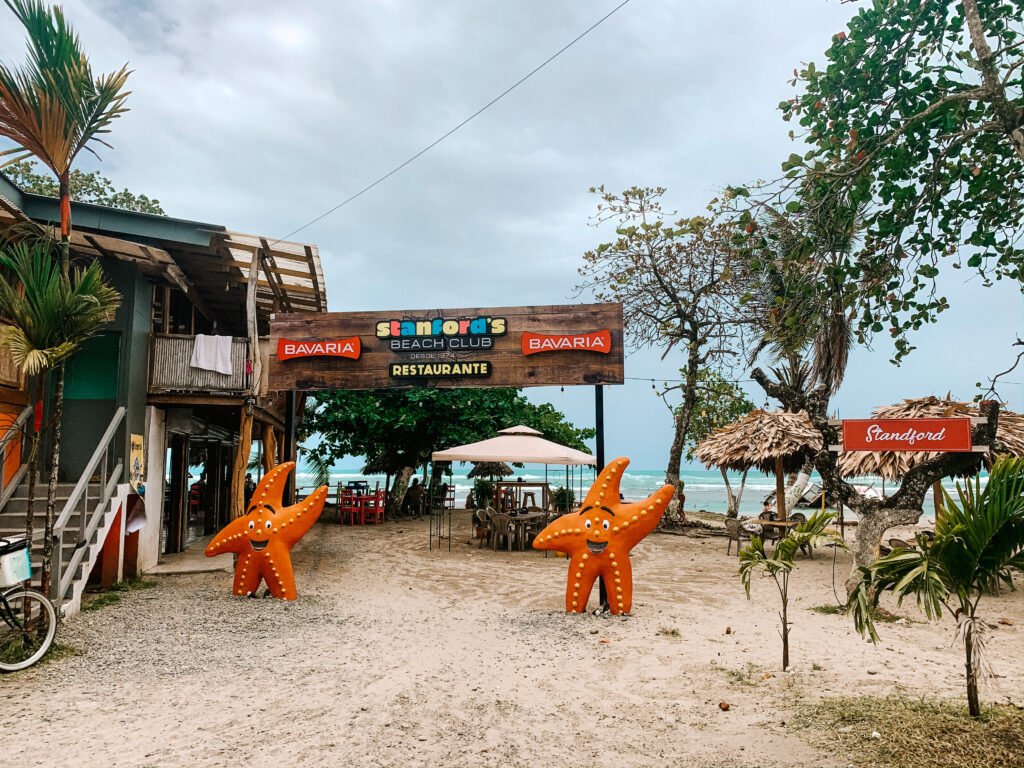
108, 371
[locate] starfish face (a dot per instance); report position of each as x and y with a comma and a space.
599, 537
263, 537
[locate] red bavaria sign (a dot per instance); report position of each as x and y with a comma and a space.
941, 435
596, 341
288, 349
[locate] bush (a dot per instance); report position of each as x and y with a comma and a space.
563, 499
483, 492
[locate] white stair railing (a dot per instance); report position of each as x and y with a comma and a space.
90, 511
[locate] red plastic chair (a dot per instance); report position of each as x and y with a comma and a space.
373, 509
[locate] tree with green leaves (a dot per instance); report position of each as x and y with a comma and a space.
719, 402
398, 430
676, 282
47, 315
810, 533
978, 543
83, 188
918, 115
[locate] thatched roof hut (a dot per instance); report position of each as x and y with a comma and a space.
774, 442
893, 465
490, 469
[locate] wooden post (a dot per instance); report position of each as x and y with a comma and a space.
255, 359
241, 464
245, 424
269, 448
780, 490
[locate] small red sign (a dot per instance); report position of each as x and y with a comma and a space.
288, 349
596, 341
942, 435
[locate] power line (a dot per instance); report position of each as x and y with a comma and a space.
437, 141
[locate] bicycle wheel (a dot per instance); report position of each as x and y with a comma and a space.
28, 624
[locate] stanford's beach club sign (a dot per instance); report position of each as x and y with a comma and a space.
940, 435
528, 346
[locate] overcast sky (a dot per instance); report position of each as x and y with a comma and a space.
262, 115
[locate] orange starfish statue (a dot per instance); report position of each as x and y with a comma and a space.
263, 536
599, 537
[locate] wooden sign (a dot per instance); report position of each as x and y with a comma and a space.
491, 347
941, 435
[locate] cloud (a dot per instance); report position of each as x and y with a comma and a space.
261, 115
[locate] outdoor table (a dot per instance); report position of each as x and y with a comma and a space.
784, 525
521, 520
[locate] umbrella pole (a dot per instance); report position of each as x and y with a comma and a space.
780, 490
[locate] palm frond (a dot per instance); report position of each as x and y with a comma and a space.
48, 314
53, 107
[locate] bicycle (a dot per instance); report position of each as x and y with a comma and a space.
29, 621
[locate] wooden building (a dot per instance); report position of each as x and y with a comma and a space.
178, 279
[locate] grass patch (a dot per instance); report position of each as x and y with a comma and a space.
877, 614
133, 584
59, 651
924, 733
100, 600
112, 596
669, 631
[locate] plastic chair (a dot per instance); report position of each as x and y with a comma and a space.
736, 533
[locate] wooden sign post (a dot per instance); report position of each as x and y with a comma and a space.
575, 344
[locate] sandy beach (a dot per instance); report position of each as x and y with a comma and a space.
396, 655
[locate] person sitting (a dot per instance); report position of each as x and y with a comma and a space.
413, 502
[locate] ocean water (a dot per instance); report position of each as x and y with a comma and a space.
704, 489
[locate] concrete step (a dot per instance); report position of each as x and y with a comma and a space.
63, 489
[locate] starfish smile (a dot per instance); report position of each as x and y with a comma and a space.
258, 546
597, 547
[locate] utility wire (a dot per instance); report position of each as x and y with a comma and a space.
433, 144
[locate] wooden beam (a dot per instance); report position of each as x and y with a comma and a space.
178, 277
316, 280
280, 295
282, 254
255, 359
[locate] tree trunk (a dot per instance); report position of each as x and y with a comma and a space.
784, 589
33, 458
51, 492
398, 489
798, 486
682, 425
872, 523
733, 499
64, 191
938, 500
973, 705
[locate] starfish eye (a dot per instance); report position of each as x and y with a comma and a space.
587, 525
252, 525
267, 525
605, 525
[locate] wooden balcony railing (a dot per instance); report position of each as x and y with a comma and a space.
170, 356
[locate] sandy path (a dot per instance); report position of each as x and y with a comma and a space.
398, 656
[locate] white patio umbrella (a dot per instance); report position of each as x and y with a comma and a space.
516, 444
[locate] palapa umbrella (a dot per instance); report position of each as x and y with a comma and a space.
490, 469
894, 465
774, 442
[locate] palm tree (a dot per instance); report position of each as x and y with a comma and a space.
53, 108
48, 314
810, 533
978, 542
